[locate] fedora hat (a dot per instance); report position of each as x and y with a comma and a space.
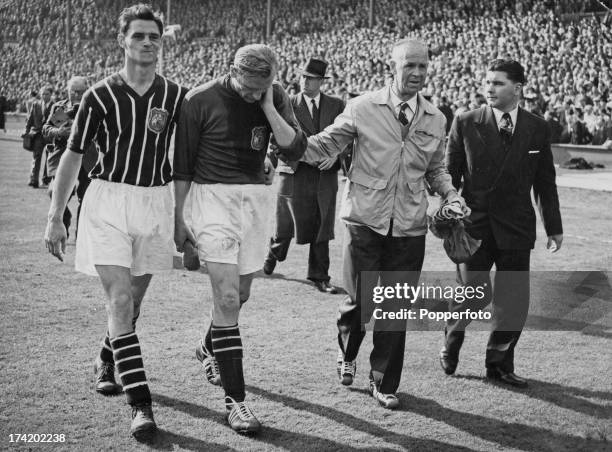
315, 68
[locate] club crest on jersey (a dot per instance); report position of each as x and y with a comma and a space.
258, 138
158, 118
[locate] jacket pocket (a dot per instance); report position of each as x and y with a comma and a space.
360, 177
417, 186
365, 198
425, 140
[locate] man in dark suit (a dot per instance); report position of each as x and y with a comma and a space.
498, 153
306, 204
47, 103
34, 124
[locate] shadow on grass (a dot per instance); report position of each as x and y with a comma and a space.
178, 265
166, 440
306, 282
357, 423
511, 435
269, 435
568, 397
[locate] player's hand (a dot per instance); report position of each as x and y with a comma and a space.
182, 232
327, 163
464, 207
456, 207
55, 238
267, 100
273, 147
554, 243
268, 171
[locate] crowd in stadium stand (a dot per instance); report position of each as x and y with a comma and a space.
568, 59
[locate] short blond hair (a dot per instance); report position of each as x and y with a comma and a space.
256, 60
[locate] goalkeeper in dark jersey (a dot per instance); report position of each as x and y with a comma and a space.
220, 158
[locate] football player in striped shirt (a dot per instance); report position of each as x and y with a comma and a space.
126, 223
220, 156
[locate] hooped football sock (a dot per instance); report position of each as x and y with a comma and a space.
208, 341
106, 353
227, 346
128, 359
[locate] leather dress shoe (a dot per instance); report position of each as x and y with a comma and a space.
325, 287
388, 401
448, 362
269, 264
509, 378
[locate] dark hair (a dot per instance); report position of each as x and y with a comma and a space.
139, 12
513, 69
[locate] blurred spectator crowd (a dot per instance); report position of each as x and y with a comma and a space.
565, 45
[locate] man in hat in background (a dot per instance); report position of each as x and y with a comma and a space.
531, 104
306, 203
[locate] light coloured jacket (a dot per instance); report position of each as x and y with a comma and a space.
391, 164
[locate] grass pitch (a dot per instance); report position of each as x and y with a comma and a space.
52, 319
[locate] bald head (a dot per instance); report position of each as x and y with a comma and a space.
409, 62
77, 86
409, 46
78, 81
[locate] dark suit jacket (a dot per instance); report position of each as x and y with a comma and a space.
306, 204
36, 117
496, 183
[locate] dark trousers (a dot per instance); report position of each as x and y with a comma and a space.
318, 257
45, 177
368, 251
37, 155
510, 298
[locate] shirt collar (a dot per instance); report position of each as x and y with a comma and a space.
317, 99
498, 114
412, 102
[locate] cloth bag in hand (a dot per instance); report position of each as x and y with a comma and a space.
28, 141
458, 244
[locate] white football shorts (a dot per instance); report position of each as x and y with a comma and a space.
126, 225
230, 223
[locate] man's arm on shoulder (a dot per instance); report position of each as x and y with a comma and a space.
334, 139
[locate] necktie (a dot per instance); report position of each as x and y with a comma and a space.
402, 116
315, 114
505, 128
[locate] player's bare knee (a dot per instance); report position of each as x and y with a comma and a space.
228, 302
121, 305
